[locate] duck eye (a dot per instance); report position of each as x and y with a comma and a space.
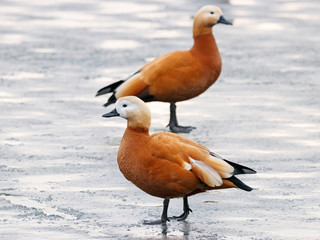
124, 105
211, 12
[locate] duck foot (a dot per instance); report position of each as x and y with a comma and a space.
173, 122
186, 211
181, 129
164, 217
183, 216
157, 222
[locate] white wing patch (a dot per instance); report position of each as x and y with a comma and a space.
206, 173
224, 168
187, 166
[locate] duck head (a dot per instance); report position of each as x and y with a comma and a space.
134, 110
206, 18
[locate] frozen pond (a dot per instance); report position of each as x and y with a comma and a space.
58, 173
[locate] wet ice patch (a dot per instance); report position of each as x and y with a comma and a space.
269, 26
24, 75
32, 204
44, 50
13, 39
163, 34
287, 175
118, 7
153, 15
119, 44
243, 3
5, 94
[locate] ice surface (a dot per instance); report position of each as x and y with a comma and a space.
58, 173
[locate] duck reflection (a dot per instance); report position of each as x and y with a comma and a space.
182, 233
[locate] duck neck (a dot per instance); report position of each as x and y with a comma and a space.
134, 137
137, 128
140, 124
205, 44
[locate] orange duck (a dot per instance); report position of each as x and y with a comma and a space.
179, 75
167, 165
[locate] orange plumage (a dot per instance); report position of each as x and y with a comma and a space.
168, 165
180, 75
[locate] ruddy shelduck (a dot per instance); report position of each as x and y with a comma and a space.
167, 165
179, 75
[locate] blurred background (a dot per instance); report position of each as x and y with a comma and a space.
59, 177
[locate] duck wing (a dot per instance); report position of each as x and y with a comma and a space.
210, 168
191, 156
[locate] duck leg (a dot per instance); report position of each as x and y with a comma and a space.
173, 122
164, 216
186, 210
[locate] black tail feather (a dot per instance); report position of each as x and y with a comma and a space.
239, 183
111, 100
216, 155
110, 88
240, 169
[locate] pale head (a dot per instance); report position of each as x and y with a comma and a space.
134, 110
206, 18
